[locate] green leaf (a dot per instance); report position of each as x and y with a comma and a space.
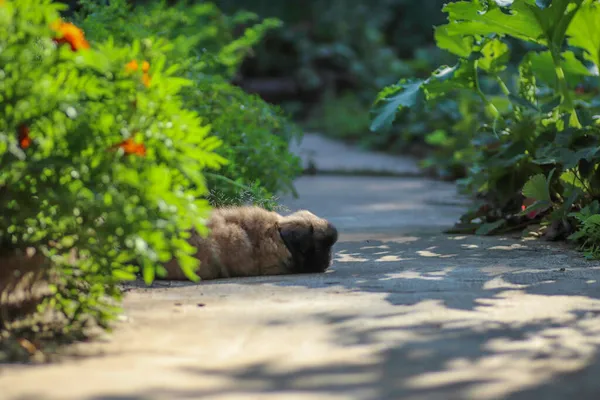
458, 45
537, 188
188, 265
543, 67
404, 95
467, 19
409, 93
495, 56
584, 31
551, 105
148, 272
571, 178
522, 102
123, 275
438, 137
490, 228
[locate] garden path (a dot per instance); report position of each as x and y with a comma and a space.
406, 312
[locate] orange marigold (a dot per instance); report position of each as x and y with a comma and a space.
131, 66
145, 66
24, 139
146, 79
70, 34
130, 147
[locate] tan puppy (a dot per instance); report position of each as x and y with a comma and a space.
251, 241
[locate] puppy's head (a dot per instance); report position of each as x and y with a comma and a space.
309, 239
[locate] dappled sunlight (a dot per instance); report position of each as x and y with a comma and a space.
504, 346
413, 274
427, 253
499, 283
457, 237
393, 320
344, 257
392, 259
514, 246
382, 246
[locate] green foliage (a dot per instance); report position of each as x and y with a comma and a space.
342, 116
200, 39
331, 48
588, 232
524, 134
97, 159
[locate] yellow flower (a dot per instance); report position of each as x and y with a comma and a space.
145, 66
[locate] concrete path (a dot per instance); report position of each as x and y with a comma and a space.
405, 312
328, 156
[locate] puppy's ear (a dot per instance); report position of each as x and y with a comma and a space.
297, 237
331, 235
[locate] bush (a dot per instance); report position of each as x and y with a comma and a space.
206, 48
531, 148
101, 162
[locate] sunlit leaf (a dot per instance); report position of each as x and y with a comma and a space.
536, 188
584, 31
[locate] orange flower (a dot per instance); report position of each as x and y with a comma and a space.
146, 79
145, 66
132, 66
24, 139
130, 147
70, 34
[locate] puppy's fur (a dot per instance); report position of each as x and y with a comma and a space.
251, 241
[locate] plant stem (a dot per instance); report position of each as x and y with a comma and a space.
564, 90
503, 86
491, 107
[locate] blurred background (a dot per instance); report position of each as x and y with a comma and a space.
328, 60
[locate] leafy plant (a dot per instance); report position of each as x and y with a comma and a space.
532, 143
588, 232
101, 163
208, 50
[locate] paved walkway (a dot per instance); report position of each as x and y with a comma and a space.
405, 313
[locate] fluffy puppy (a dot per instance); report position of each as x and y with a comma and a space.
251, 241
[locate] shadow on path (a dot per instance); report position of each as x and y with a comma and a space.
466, 318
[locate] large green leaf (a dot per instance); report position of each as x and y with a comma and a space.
455, 44
409, 93
537, 188
401, 95
543, 67
584, 31
467, 18
527, 20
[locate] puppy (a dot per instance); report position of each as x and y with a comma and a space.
251, 241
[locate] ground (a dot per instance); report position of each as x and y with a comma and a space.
406, 312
